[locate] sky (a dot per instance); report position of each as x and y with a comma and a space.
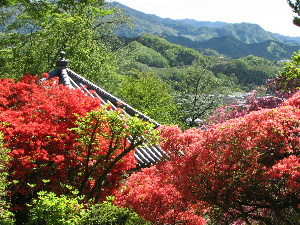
273, 15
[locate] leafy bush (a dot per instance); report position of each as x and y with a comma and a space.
108, 213
5, 215
50, 209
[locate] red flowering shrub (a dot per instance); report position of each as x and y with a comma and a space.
55, 139
243, 171
152, 196
177, 147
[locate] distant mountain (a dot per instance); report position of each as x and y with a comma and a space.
230, 39
196, 23
197, 30
287, 38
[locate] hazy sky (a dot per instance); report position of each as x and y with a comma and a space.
272, 15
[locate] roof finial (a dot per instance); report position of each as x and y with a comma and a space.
62, 63
62, 54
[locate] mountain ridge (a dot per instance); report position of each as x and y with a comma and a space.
233, 40
150, 23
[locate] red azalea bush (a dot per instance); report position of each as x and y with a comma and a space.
243, 171
35, 122
59, 137
152, 196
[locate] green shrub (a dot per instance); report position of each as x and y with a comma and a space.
49, 209
6, 217
107, 213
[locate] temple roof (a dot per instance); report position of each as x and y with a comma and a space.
144, 155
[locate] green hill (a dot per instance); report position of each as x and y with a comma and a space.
217, 38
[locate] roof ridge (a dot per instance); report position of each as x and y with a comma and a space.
114, 100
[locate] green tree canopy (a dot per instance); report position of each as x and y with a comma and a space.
150, 95
200, 93
145, 55
249, 71
295, 5
177, 55
38, 30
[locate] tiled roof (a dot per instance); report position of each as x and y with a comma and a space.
144, 155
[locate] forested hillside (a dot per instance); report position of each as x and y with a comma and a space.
156, 52
197, 83
194, 30
231, 40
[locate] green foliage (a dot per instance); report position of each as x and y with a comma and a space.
250, 71
199, 93
107, 213
176, 55
247, 33
172, 76
295, 5
38, 30
6, 217
107, 140
151, 41
252, 60
287, 81
129, 67
146, 55
181, 56
150, 95
247, 72
113, 126
210, 52
50, 209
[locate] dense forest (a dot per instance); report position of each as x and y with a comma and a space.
225, 94
179, 67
